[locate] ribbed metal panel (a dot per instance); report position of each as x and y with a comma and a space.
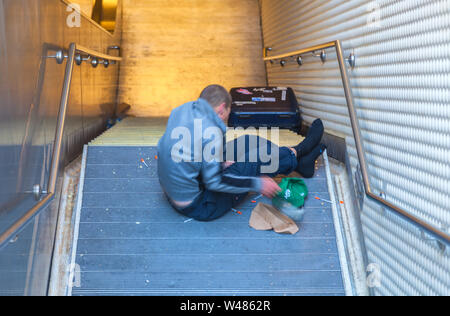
409, 263
401, 85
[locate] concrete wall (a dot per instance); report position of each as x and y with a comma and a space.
173, 49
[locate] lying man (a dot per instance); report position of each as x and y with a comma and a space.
206, 189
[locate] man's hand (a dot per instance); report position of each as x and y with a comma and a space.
269, 187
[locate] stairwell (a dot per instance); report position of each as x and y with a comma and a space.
129, 241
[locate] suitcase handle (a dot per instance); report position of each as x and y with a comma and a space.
247, 116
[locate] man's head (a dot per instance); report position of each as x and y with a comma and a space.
220, 100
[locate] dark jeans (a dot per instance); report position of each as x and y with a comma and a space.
212, 205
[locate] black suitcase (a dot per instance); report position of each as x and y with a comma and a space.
265, 107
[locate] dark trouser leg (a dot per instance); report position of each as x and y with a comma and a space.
260, 157
214, 205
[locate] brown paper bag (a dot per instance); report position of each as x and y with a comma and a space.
267, 217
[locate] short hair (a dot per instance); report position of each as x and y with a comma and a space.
216, 95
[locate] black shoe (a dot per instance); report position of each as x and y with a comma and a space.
306, 164
312, 139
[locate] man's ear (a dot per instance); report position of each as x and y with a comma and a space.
222, 107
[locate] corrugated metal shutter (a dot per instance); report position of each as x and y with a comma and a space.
401, 86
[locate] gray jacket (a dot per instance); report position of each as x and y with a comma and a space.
184, 181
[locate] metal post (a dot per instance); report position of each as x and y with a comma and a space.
353, 116
61, 119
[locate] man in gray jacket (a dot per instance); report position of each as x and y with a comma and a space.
193, 173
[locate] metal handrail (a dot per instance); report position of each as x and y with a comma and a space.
434, 231
76, 54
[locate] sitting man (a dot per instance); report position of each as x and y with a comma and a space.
206, 189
